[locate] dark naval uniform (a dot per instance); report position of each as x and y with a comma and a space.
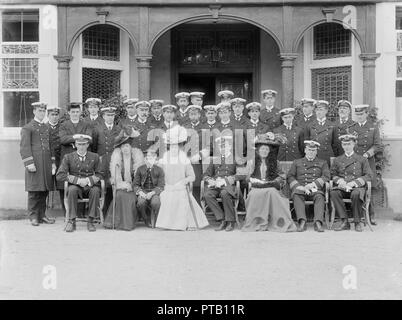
302, 121
147, 135
354, 168
325, 135
303, 172
74, 167
294, 147
227, 193
369, 141
66, 132
128, 123
241, 121
35, 149
271, 118
93, 123
181, 117
155, 122
341, 129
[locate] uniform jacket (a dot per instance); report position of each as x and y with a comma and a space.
66, 132
271, 118
155, 122
260, 127
146, 137
325, 135
242, 121
93, 123
157, 176
294, 147
303, 171
181, 118
35, 149
302, 121
72, 168
55, 141
341, 128
128, 123
222, 170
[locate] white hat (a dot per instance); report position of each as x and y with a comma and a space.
156, 101
39, 104
308, 100
324, 103
210, 107
269, 92
238, 101
225, 92
253, 105
344, 103
286, 111
181, 95
193, 106
108, 109
93, 100
175, 135
142, 103
224, 104
53, 108
197, 94
82, 137
169, 106
311, 144
130, 101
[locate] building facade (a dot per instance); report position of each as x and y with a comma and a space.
147, 50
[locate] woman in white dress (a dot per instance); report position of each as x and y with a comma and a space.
179, 210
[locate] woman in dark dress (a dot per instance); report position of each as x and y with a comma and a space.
124, 162
266, 207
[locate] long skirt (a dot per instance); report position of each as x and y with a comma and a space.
175, 212
125, 212
266, 210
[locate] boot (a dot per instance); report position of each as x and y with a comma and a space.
345, 225
70, 227
302, 226
47, 220
358, 226
318, 226
34, 222
90, 224
230, 226
222, 226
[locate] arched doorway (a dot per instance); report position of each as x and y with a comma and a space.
208, 55
103, 64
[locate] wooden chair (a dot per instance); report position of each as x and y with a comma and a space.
236, 200
284, 166
84, 200
366, 203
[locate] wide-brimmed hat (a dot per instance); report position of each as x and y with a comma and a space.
175, 135
123, 140
264, 139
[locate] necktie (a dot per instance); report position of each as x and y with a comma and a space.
82, 158
263, 170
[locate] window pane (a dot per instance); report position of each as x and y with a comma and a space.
399, 67
398, 18
101, 42
331, 40
20, 73
100, 83
17, 109
30, 26
11, 26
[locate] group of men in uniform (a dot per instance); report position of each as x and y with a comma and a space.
44, 146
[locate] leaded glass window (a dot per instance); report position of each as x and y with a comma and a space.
101, 42
100, 83
20, 73
331, 40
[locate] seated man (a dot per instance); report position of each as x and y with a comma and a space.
307, 177
82, 170
149, 182
350, 173
220, 179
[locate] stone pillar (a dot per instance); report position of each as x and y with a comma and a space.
287, 79
64, 80
144, 76
369, 77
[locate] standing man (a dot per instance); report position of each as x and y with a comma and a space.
156, 112
71, 127
307, 116
323, 131
307, 177
82, 170
238, 111
259, 127
210, 116
196, 98
182, 101
350, 173
220, 182
270, 113
225, 95
294, 147
368, 143
93, 119
104, 137
39, 162
131, 114
342, 124
53, 114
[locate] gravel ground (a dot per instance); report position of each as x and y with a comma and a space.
157, 264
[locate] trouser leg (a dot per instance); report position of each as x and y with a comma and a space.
299, 205
319, 207
93, 204
210, 198
42, 203
74, 192
61, 194
155, 203
108, 199
356, 205
33, 204
142, 205
337, 199
228, 207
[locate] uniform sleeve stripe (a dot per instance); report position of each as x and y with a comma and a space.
361, 181
27, 159
293, 183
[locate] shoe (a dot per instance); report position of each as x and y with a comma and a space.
230, 226
318, 226
70, 227
90, 225
373, 221
34, 222
302, 226
358, 227
47, 220
345, 225
222, 226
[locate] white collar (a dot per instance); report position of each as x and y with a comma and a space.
269, 109
254, 121
349, 155
157, 118
212, 122
82, 155
238, 116
109, 125
195, 124
73, 122
363, 123
310, 159
343, 120
141, 121
321, 120
93, 117
309, 116
288, 126
132, 117
40, 122
53, 124
226, 122
168, 123
183, 112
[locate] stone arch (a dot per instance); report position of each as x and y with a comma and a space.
81, 30
208, 16
316, 23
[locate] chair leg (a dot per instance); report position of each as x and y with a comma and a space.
326, 212
67, 218
332, 215
367, 218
